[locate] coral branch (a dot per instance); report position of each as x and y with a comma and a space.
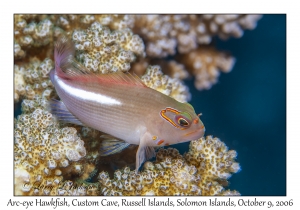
199, 172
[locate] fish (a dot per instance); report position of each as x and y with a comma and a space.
119, 105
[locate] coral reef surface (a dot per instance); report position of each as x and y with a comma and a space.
201, 171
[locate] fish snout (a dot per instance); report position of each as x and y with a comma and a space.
196, 134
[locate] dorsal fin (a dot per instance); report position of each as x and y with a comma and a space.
67, 67
117, 78
62, 51
65, 64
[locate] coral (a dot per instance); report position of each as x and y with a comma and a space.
77, 188
42, 150
35, 34
71, 22
174, 69
139, 67
29, 35
158, 33
213, 161
196, 173
116, 22
32, 79
223, 25
172, 87
163, 33
103, 51
171, 68
92, 140
39, 102
19, 83
206, 63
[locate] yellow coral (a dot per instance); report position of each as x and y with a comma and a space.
32, 79
171, 68
172, 87
113, 21
223, 25
39, 102
31, 34
116, 22
196, 173
163, 33
206, 63
213, 161
42, 149
175, 69
101, 50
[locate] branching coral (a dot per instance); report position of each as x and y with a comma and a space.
213, 161
42, 150
70, 22
36, 33
39, 102
32, 34
224, 25
206, 63
196, 173
104, 51
116, 22
32, 79
172, 87
163, 33
171, 68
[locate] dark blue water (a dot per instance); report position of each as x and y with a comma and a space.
247, 108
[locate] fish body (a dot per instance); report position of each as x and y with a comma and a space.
120, 105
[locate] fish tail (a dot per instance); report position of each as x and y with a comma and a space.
63, 54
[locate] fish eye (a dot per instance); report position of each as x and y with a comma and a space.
183, 122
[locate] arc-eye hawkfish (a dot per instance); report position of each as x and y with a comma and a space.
119, 104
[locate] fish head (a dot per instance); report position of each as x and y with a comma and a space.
184, 124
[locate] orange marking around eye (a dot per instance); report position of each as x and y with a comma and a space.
172, 110
154, 137
162, 113
160, 142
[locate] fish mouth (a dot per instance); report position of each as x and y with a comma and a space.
199, 131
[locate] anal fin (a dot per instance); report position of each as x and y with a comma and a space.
59, 109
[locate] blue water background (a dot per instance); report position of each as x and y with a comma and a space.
247, 108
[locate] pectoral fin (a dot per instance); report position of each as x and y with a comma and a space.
111, 145
59, 109
144, 152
